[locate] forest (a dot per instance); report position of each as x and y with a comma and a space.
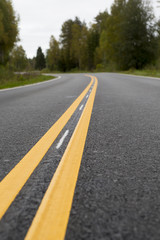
127, 37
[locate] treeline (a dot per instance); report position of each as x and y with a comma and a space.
126, 38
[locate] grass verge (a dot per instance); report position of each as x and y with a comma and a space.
10, 80
145, 72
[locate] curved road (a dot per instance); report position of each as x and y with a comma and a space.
117, 195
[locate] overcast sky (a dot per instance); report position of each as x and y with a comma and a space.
39, 19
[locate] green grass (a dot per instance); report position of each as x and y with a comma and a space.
145, 72
10, 80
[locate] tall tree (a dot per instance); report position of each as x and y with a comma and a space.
100, 21
101, 26
113, 40
128, 40
40, 62
139, 46
73, 41
66, 43
92, 44
53, 54
100, 52
8, 29
79, 44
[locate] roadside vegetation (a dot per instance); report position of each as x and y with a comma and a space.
125, 39
144, 72
8, 79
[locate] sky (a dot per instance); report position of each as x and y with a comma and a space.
39, 19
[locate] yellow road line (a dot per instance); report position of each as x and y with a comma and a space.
52, 216
17, 177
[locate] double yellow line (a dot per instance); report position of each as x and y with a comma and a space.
52, 216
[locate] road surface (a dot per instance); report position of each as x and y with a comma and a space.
117, 194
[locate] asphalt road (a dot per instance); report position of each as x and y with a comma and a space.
118, 189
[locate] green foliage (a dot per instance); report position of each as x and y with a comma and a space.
18, 59
66, 42
124, 39
73, 41
31, 64
8, 79
148, 71
139, 40
8, 29
79, 45
129, 38
92, 44
53, 55
99, 67
5, 74
40, 61
101, 20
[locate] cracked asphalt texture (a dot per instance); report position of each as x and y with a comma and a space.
117, 196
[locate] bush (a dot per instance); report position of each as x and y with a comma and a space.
5, 74
99, 67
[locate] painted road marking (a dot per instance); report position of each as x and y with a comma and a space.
17, 177
62, 139
52, 216
81, 107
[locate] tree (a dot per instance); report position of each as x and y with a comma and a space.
100, 21
73, 41
79, 44
31, 64
128, 40
139, 46
40, 62
92, 44
8, 29
101, 26
66, 42
53, 54
100, 52
125, 38
113, 39
18, 59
